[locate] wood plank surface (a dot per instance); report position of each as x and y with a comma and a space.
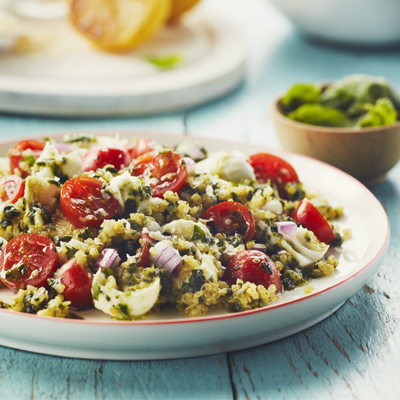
27, 376
354, 354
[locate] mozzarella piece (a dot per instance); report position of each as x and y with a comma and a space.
152, 226
308, 245
124, 187
40, 190
208, 267
305, 248
110, 299
72, 165
157, 235
5, 166
143, 205
184, 228
230, 165
45, 172
49, 152
274, 206
69, 164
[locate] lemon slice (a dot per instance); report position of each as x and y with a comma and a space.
118, 25
179, 7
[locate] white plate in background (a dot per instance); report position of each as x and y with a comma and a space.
63, 74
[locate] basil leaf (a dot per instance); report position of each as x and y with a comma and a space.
315, 114
348, 93
30, 160
382, 113
198, 233
165, 62
96, 291
299, 94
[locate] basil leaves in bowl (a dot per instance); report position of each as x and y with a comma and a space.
351, 124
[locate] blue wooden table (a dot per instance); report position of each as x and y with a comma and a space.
353, 354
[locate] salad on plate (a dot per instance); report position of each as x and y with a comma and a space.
134, 227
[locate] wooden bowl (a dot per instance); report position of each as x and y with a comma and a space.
366, 153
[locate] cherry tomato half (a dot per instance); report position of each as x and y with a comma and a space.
28, 259
270, 167
166, 169
99, 157
141, 146
12, 188
85, 204
309, 216
145, 241
78, 286
16, 156
231, 217
253, 266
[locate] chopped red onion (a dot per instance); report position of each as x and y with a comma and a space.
196, 153
190, 164
287, 228
188, 161
109, 258
191, 150
66, 147
165, 256
259, 247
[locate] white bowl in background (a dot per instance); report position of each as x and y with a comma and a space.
352, 22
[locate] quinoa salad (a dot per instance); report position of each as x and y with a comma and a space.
130, 227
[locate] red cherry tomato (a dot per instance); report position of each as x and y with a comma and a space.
78, 286
309, 216
28, 259
85, 204
253, 266
16, 155
167, 169
13, 188
99, 157
231, 217
141, 146
145, 250
278, 171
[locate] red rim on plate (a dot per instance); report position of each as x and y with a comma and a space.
184, 320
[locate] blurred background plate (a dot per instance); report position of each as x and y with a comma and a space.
57, 72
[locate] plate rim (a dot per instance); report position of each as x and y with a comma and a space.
175, 321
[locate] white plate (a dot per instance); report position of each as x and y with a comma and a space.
170, 335
65, 75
